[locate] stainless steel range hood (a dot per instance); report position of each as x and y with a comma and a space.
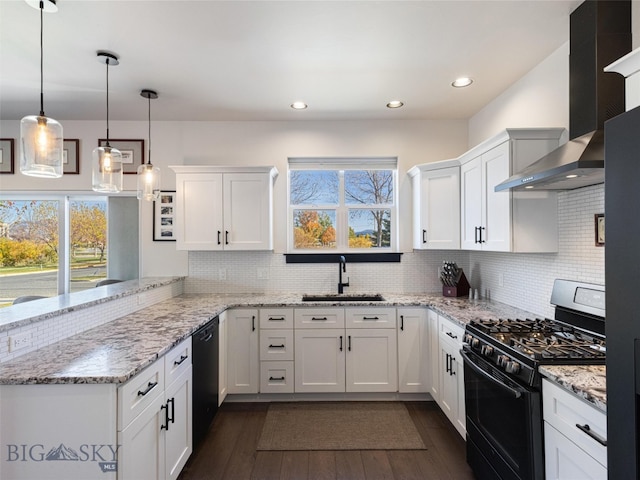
600, 33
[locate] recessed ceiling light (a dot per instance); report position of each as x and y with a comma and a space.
529, 186
298, 105
572, 176
462, 82
395, 104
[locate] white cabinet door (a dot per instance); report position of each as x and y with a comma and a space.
471, 204
413, 351
222, 357
247, 211
320, 360
243, 368
564, 460
439, 210
448, 383
178, 437
372, 360
451, 373
496, 236
141, 453
434, 354
199, 222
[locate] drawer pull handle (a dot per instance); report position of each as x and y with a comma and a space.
370, 318
276, 319
150, 387
166, 417
276, 346
315, 319
587, 429
182, 359
452, 335
276, 379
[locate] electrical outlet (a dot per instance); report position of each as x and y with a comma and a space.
222, 274
19, 341
501, 280
263, 273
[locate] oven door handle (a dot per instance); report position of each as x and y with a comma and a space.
516, 393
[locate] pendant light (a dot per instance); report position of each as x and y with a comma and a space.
41, 136
107, 161
148, 175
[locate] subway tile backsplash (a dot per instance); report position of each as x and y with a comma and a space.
521, 280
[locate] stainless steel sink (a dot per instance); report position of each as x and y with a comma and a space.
334, 297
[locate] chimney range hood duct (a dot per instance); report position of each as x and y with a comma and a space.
600, 33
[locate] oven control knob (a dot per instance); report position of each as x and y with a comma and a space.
475, 343
467, 338
487, 350
512, 367
503, 360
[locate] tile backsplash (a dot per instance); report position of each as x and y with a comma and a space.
521, 280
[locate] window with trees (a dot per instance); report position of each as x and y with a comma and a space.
51, 245
342, 205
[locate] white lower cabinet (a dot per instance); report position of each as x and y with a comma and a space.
451, 373
575, 435
157, 442
276, 350
243, 369
345, 350
413, 351
434, 354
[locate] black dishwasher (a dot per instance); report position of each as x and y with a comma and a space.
205, 378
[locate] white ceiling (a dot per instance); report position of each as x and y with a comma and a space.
249, 60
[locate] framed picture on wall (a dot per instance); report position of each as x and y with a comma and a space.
71, 156
6, 155
599, 223
132, 153
164, 217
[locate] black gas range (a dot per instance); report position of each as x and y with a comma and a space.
503, 386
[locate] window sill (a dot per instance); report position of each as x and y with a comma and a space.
349, 257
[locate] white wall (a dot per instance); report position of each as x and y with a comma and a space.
539, 99
252, 143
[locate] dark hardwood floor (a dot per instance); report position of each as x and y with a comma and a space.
229, 452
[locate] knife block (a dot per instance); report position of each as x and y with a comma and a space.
460, 290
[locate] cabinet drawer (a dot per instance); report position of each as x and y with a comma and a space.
565, 460
564, 411
139, 392
276, 345
319, 317
276, 377
276, 318
176, 361
370, 317
449, 332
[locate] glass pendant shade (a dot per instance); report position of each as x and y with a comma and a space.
40, 147
107, 170
148, 182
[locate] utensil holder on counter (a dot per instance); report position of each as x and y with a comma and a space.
460, 290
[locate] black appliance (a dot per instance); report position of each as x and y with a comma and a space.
205, 343
622, 276
503, 395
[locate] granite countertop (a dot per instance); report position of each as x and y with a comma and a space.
586, 381
116, 351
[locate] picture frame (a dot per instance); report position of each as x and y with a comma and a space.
132, 153
164, 220
599, 224
71, 156
7, 155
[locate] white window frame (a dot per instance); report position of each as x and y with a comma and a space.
64, 228
342, 209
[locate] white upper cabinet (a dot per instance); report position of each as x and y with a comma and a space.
224, 208
436, 205
507, 221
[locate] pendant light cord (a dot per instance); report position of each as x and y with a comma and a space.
41, 62
107, 144
149, 159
